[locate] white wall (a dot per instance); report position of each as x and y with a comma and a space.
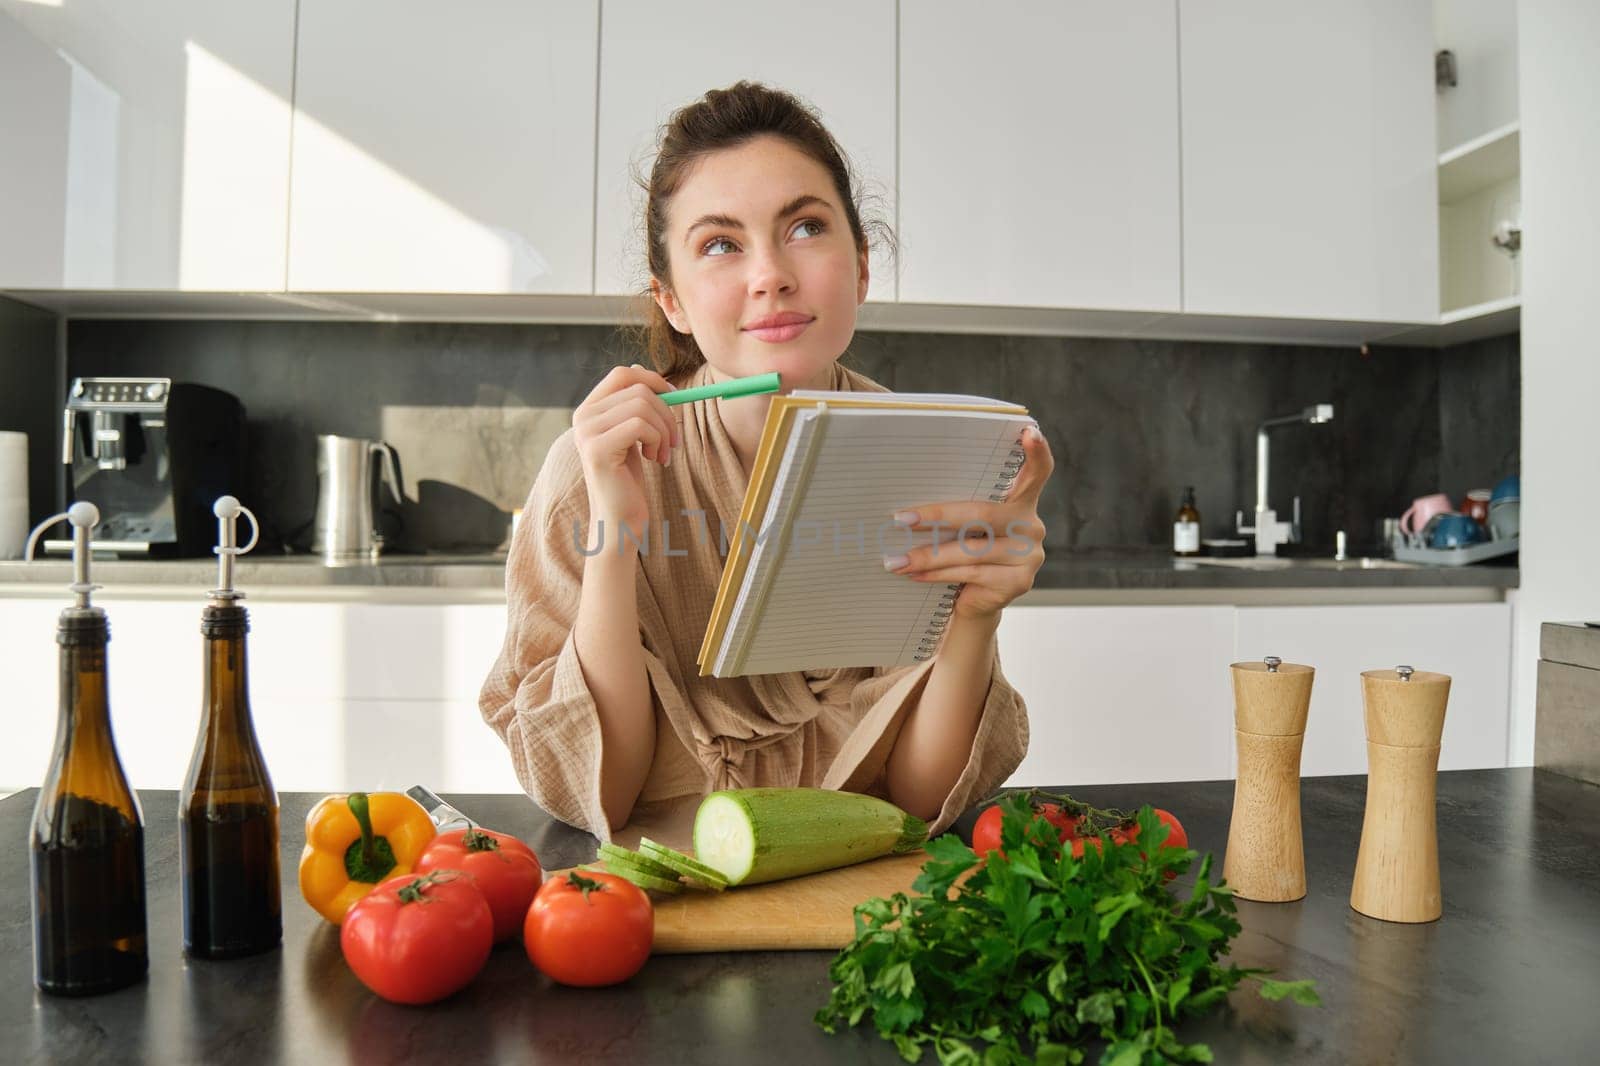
1560, 80
1483, 36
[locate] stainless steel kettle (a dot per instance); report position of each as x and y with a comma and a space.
346, 484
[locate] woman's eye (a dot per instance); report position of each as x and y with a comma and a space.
811, 223
718, 246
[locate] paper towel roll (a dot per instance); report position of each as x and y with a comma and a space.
13, 528
13, 464
13, 493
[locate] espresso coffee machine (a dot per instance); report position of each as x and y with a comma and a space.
153, 455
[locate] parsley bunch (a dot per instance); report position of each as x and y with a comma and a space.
1037, 953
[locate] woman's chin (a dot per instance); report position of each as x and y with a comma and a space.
798, 366
798, 370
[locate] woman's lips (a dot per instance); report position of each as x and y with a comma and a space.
788, 331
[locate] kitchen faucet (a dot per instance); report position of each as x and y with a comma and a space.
1270, 532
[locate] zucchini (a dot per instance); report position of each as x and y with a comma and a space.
682, 864
643, 863
753, 835
642, 879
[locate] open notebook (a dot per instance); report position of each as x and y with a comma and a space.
804, 586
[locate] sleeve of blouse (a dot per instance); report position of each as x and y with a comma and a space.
882, 702
536, 697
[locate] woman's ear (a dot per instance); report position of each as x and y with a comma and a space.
863, 275
668, 302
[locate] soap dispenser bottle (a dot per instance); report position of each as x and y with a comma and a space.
87, 837
228, 810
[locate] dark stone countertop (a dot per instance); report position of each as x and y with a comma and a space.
1130, 569
1510, 974
1159, 569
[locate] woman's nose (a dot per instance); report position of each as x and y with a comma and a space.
770, 273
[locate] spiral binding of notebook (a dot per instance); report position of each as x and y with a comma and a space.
942, 612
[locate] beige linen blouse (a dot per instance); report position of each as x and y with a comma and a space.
818, 728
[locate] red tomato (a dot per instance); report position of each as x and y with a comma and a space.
589, 929
418, 939
1123, 834
1066, 824
506, 870
986, 832
1176, 837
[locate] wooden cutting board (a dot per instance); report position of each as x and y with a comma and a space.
813, 913
803, 913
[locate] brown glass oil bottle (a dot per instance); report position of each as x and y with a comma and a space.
228, 810
87, 836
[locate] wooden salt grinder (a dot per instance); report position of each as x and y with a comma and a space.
1266, 860
1397, 868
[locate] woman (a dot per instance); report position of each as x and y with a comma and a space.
758, 262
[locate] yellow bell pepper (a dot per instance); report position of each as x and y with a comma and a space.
353, 842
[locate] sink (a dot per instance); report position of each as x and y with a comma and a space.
1273, 562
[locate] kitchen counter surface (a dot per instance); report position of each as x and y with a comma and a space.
1509, 974
1118, 571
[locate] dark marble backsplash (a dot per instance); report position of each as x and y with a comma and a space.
472, 408
28, 389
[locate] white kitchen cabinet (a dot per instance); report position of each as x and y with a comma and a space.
1309, 167
155, 666
1469, 642
389, 745
1482, 34
838, 56
343, 695
145, 146
443, 150
1122, 694
29, 707
371, 695
1134, 694
1039, 155
377, 695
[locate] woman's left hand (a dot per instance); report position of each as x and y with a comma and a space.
994, 549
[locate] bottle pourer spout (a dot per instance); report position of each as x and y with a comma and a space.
83, 516
228, 509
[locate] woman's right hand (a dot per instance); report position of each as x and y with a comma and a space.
621, 423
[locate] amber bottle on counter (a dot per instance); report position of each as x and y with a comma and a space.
228, 810
1186, 526
87, 836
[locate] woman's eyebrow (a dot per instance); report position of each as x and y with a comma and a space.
799, 203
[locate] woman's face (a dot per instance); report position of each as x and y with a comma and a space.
765, 272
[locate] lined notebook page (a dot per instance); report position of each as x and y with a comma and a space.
820, 597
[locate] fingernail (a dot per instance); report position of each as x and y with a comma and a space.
668, 460
906, 518
895, 562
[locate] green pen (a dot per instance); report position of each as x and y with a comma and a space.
722, 390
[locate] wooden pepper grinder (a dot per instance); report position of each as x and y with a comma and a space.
1265, 860
1397, 868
